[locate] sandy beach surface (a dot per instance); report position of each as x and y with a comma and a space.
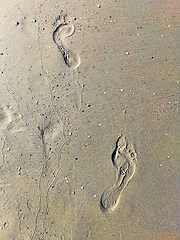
89, 120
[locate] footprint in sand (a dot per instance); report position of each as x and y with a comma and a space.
10, 119
123, 158
63, 30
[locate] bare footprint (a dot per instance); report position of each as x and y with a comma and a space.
123, 158
10, 119
5, 117
63, 30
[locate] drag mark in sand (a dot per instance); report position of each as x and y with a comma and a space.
63, 30
123, 158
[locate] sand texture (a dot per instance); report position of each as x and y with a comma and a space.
89, 120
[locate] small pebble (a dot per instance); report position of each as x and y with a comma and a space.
66, 179
82, 187
98, 5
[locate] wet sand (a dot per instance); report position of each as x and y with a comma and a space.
89, 120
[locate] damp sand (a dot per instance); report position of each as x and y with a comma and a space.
89, 120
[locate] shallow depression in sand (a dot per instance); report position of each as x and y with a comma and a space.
124, 159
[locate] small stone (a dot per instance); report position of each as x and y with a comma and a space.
127, 53
6, 225
34, 20
98, 5
82, 187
